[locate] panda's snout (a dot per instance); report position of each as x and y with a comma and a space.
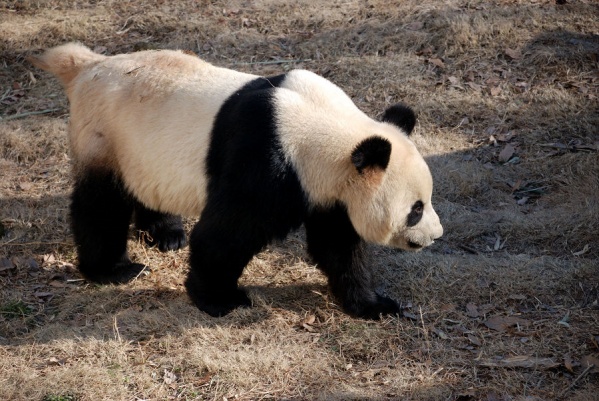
417, 239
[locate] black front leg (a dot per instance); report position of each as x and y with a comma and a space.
340, 253
221, 244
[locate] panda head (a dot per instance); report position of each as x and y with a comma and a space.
388, 194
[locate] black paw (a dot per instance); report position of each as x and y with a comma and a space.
121, 273
163, 230
222, 304
165, 238
373, 309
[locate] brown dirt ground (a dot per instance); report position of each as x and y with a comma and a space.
504, 307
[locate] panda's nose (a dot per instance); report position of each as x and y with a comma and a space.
437, 230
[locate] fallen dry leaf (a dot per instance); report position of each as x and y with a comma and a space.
507, 153
32, 264
493, 396
472, 310
308, 328
590, 360
169, 377
436, 62
310, 319
440, 333
513, 54
25, 186
307, 322
569, 363
415, 26
474, 86
474, 340
523, 200
53, 361
427, 51
505, 137
48, 258
502, 323
495, 91
410, 315
6, 264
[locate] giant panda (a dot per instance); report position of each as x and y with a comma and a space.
159, 134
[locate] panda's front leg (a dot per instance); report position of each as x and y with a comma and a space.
220, 248
340, 253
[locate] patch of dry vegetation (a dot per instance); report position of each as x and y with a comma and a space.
504, 307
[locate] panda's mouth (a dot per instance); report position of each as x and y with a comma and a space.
414, 245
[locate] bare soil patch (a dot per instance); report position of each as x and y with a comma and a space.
504, 307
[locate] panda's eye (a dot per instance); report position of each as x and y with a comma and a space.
415, 214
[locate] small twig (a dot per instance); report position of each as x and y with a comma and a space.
272, 62
27, 114
5, 94
571, 148
468, 249
555, 146
530, 190
115, 327
583, 374
34, 243
135, 69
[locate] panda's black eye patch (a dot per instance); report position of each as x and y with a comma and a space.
415, 214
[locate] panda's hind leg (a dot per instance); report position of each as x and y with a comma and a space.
339, 252
100, 215
163, 230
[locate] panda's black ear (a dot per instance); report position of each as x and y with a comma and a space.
401, 116
371, 152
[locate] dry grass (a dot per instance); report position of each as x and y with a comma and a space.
521, 229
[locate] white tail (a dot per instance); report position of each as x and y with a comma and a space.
65, 61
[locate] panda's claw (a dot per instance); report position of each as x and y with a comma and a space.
222, 304
387, 305
168, 240
374, 309
163, 230
121, 273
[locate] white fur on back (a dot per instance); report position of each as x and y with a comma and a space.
149, 116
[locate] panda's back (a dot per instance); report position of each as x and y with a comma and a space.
149, 116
